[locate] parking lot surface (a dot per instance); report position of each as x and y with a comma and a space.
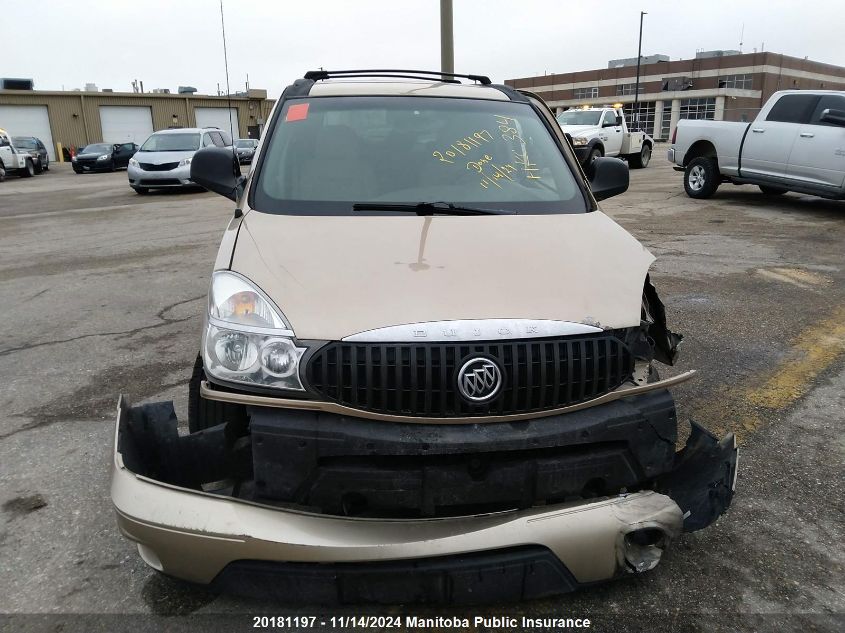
103, 292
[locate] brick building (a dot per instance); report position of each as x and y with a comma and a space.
716, 85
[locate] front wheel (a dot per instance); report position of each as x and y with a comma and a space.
29, 170
641, 160
701, 177
39, 168
594, 154
772, 191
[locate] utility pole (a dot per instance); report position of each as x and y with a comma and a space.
636, 112
447, 43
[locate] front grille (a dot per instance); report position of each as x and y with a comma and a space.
162, 167
159, 182
419, 379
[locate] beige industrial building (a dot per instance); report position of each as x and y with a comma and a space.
75, 119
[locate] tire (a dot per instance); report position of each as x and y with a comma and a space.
2, 171
594, 154
772, 191
204, 414
701, 177
47, 166
641, 160
39, 168
141, 190
29, 170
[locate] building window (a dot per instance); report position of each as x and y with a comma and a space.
587, 93
666, 121
741, 82
698, 109
641, 119
627, 89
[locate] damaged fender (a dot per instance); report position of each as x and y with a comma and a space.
666, 342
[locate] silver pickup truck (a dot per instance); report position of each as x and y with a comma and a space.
796, 143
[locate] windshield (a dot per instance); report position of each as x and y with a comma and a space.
579, 117
245, 143
24, 143
97, 148
171, 143
326, 154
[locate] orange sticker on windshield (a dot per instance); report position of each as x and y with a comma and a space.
297, 112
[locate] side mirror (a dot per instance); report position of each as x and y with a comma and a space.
608, 177
618, 119
836, 117
216, 169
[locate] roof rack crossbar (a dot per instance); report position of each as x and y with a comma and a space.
316, 75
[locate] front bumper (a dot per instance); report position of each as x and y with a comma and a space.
178, 177
212, 538
582, 152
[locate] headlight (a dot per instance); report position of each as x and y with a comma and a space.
73, 158
247, 339
579, 140
133, 162
184, 161
104, 157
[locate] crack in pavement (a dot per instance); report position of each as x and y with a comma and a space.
159, 315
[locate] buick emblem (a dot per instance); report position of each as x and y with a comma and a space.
479, 380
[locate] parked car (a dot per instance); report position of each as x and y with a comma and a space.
245, 148
796, 143
13, 160
597, 132
164, 160
426, 368
35, 148
103, 157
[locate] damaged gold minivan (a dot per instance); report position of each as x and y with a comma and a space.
426, 368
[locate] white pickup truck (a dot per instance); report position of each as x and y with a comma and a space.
603, 131
12, 160
796, 143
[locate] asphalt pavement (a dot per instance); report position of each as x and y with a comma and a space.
102, 293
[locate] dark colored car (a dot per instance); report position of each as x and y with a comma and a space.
245, 148
103, 157
35, 148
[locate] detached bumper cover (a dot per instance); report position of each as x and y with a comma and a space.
221, 540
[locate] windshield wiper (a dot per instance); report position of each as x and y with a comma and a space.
429, 208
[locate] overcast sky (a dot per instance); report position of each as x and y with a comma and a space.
171, 43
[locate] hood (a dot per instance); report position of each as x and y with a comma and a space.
92, 155
337, 276
576, 130
157, 158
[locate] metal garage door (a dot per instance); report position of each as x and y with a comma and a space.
217, 117
126, 124
30, 120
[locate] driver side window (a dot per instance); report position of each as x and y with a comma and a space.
609, 118
206, 140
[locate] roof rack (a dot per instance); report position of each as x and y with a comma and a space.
317, 75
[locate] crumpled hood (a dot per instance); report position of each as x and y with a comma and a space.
580, 130
337, 276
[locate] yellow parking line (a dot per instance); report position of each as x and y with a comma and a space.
812, 352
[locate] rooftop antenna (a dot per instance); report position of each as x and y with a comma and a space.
228, 93
741, 36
